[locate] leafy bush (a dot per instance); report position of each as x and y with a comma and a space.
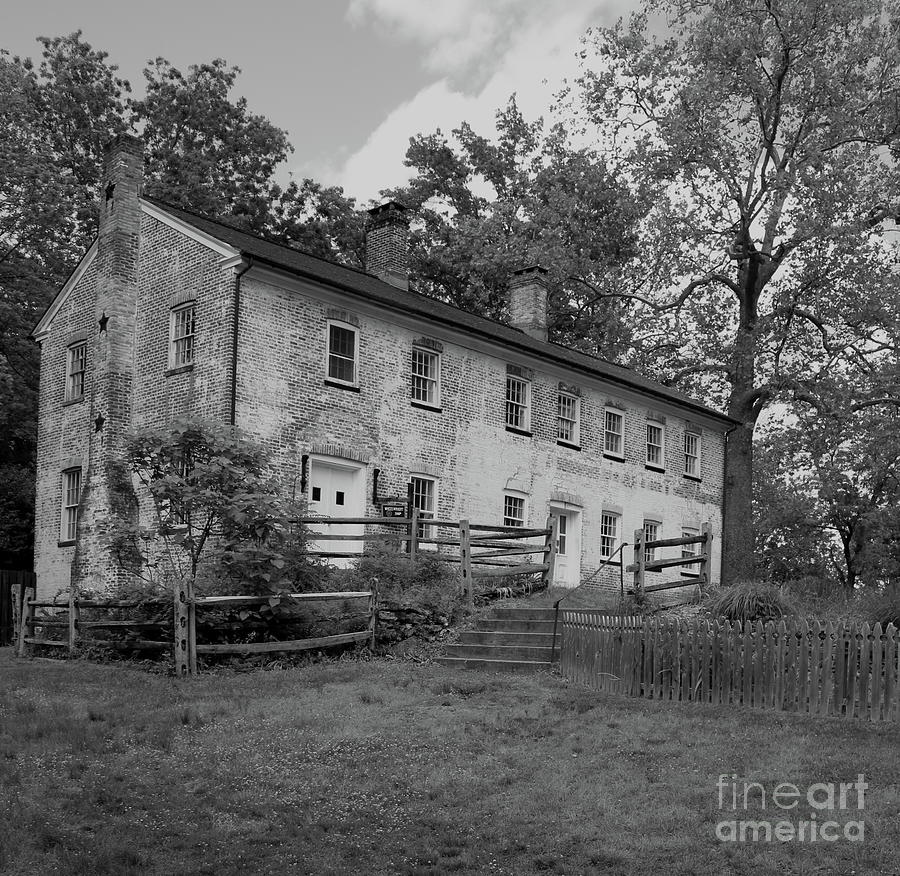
750, 601
882, 606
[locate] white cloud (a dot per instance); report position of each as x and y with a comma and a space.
522, 46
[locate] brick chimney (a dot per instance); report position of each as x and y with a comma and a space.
528, 301
387, 244
108, 506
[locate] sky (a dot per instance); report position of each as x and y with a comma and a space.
350, 80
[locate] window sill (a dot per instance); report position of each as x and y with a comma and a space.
516, 431
423, 406
690, 575
568, 444
658, 468
693, 478
613, 458
181, 369
72, 401
610, 564
66, 543
336, 384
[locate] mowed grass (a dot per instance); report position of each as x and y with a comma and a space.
390, 767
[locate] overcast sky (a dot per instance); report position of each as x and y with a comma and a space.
350, 80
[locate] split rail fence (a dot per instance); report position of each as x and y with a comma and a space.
13, 583
850, 671
698, 553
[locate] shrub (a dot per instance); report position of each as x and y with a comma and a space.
882, 606
750, 601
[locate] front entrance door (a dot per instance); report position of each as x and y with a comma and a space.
568, 546
337, 489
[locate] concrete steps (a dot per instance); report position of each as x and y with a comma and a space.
507, 639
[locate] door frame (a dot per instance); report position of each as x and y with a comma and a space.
574, 537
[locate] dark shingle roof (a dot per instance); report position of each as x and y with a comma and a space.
373, 289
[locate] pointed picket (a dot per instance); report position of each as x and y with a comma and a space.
877, 650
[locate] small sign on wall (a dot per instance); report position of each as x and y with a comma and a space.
393, 509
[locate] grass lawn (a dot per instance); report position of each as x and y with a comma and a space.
391, 767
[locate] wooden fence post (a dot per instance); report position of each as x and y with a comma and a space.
27, 614
185, 631
73, 618
373, 613
465, 563
551, 547
639, 561
414, 534
706, 563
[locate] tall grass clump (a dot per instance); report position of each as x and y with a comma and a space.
750, 601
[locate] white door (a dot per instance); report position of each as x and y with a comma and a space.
568, 546
337, 489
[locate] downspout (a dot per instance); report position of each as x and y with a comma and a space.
234, 337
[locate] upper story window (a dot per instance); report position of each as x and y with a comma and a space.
518, 403
610, 524
182, 327
614, 433
655, 445
424, 500
692, 454
71, 494
568, 415
76, 364
513, 510
426, 377
343, 349
651, 533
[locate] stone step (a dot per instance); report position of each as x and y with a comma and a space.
513, 625
499, 613
507, 653
496, 665
499, 637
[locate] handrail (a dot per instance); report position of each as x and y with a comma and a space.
596, 572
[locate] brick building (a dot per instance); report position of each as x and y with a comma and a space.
360, 386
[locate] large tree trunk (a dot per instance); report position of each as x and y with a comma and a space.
738, 548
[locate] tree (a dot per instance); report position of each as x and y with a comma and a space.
759, 131
483, 209
216, 506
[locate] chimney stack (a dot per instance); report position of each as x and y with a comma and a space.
528, 301
387, 244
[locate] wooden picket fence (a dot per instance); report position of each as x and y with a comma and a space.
850, 671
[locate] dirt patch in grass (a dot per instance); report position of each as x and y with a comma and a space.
389, 767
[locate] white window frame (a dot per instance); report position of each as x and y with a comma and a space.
176, 341
651, 525
343, 326
620, 454
431, 383
70, 482
523, 407
75, 354
573, 421
661, 445
611, 537
423, 530
508, 503
696, 436
690, 550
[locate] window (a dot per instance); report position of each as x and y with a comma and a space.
76, 363
181, 335
655, 445
178, 513
518, 393
424, 501
692, 454
562, 539
71, 493
567, 411
513, 510
342, 353
426, 375
609, 533
651, 533
690, 550
614, 434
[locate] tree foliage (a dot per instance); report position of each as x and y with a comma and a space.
759, 132
483, 208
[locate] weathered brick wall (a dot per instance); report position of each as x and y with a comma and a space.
284, 399
63, 433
